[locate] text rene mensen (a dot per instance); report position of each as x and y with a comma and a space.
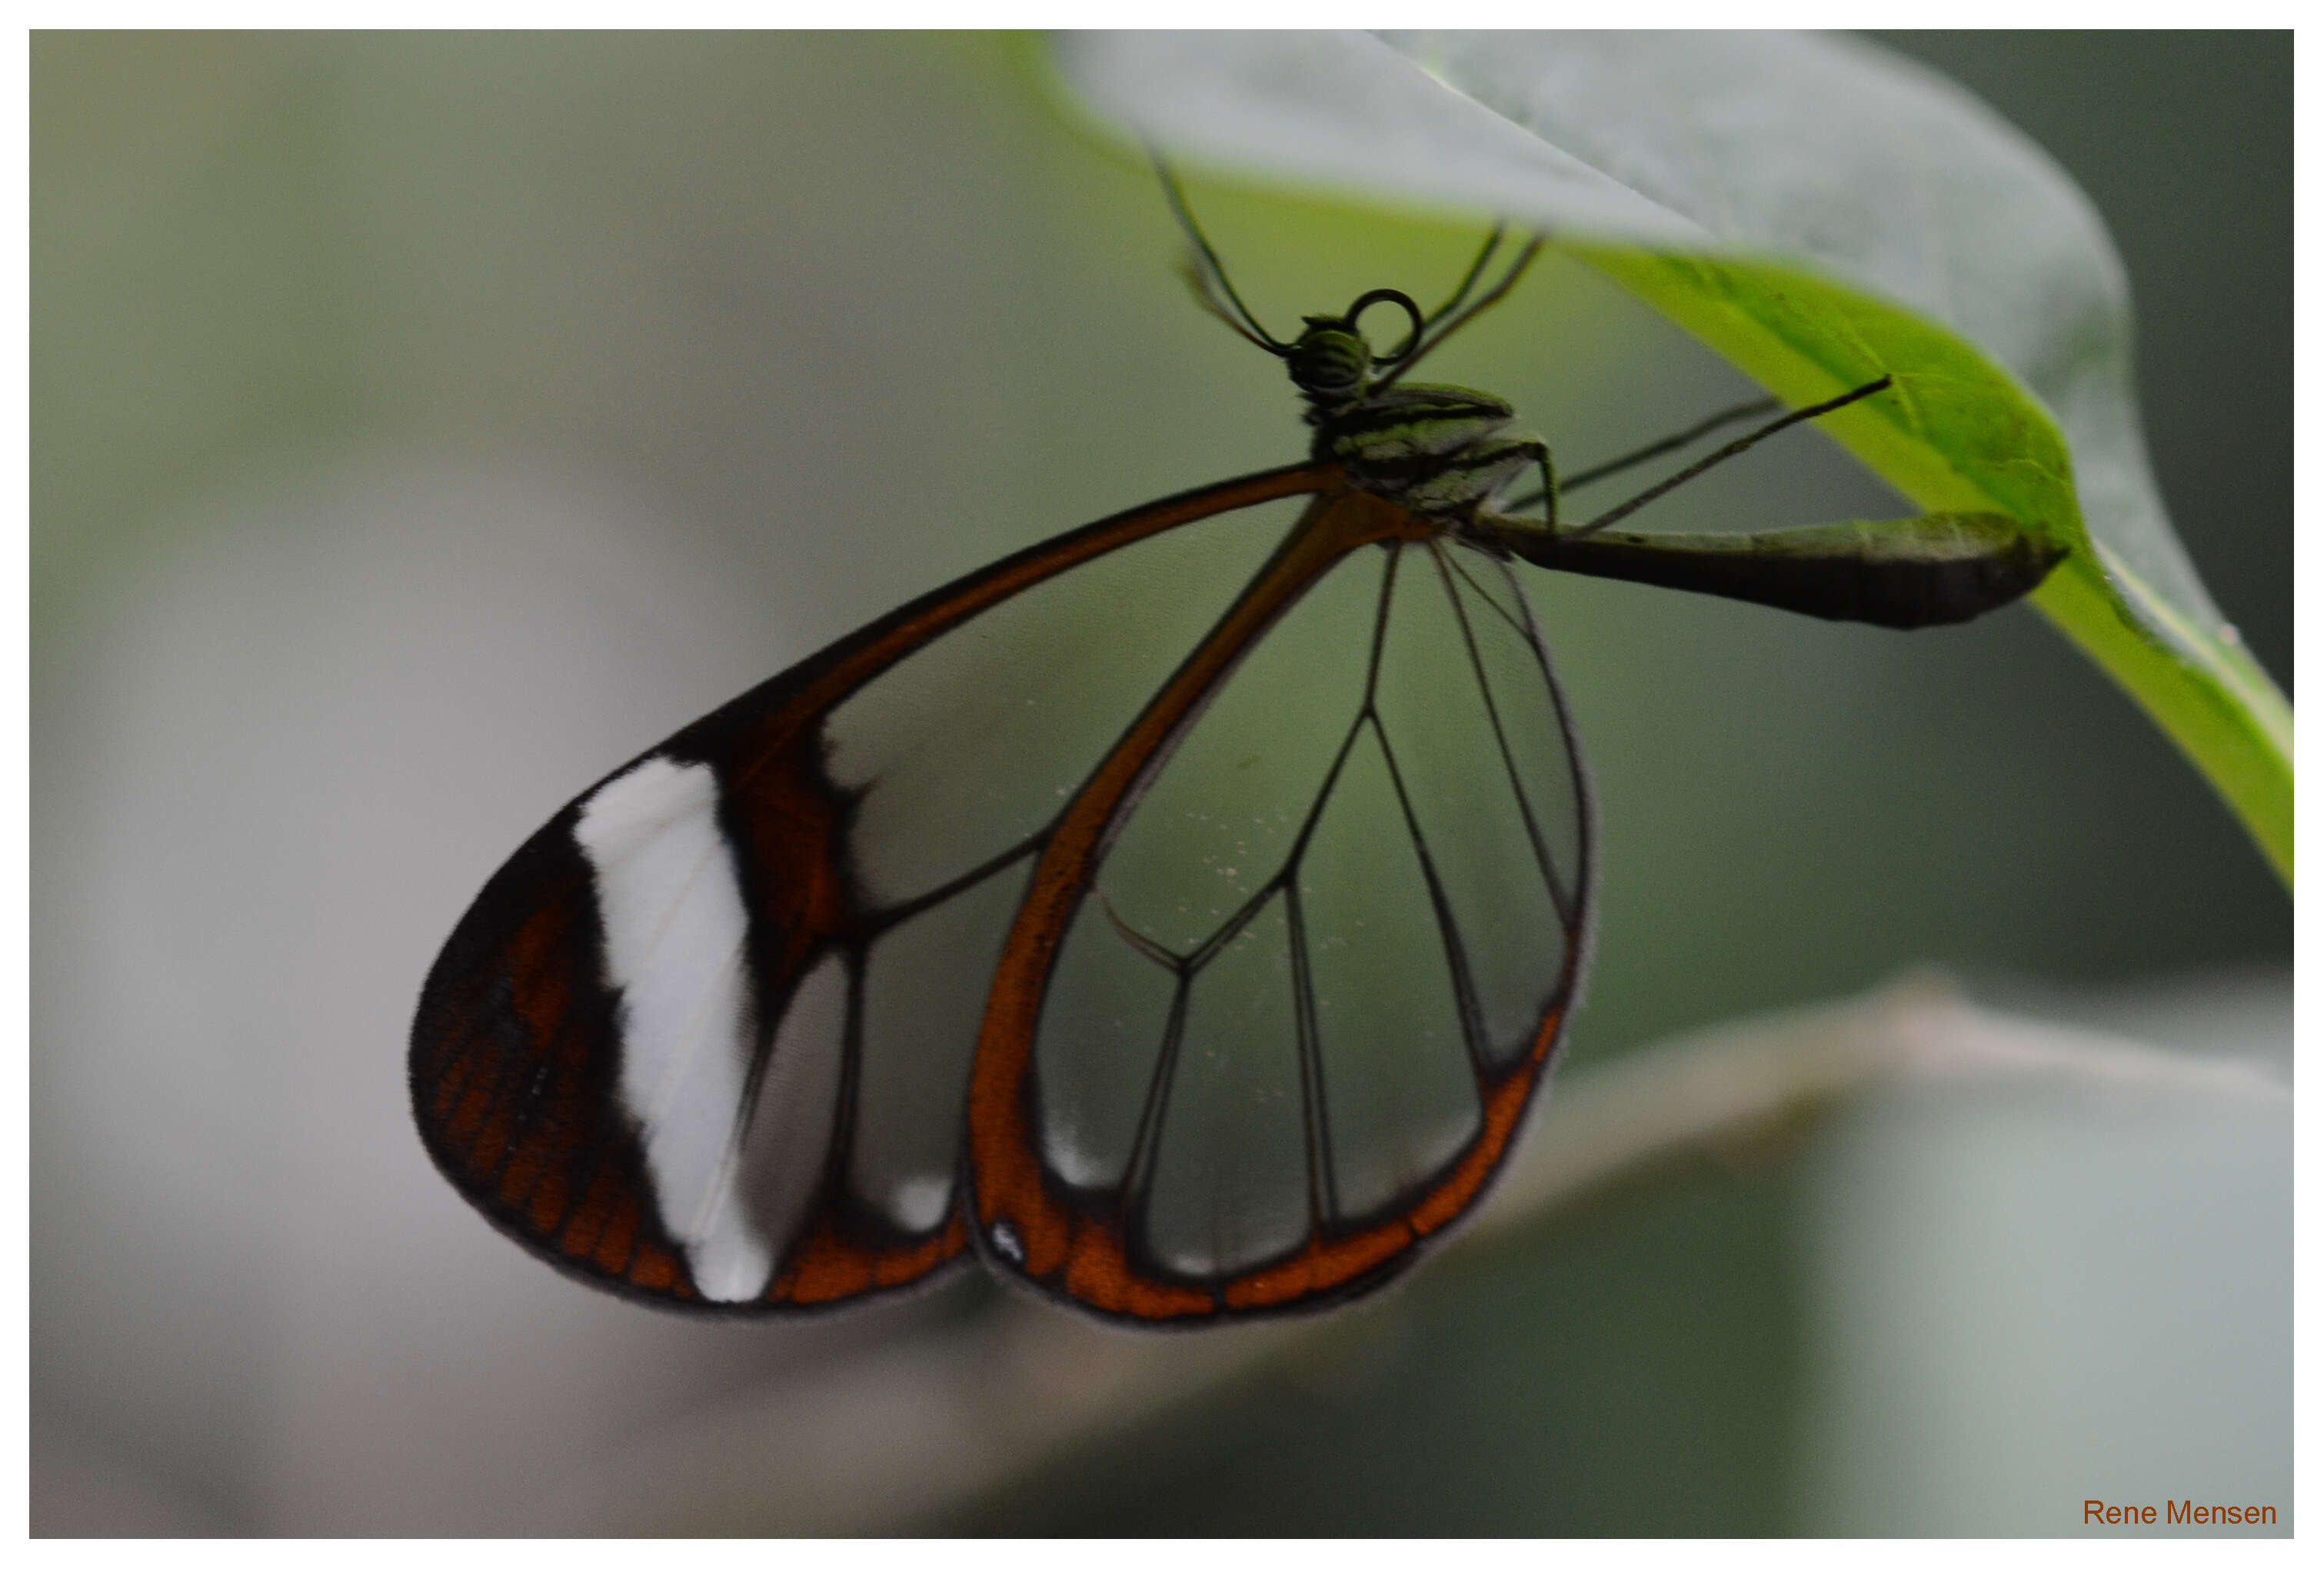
2176, 1512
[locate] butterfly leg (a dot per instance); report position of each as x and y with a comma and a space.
1466, 481
1485, 470
1571, 483
1549, 487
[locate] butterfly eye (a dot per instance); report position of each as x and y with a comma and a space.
1330, 362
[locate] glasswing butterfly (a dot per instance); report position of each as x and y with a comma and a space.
1180, 914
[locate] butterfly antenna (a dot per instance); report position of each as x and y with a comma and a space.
1207, 298
1491, 297
1476, 270
1209, 277
1421, 324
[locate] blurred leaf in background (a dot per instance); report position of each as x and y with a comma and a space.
423, 424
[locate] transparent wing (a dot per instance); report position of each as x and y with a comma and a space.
706, 1036
1274, 1007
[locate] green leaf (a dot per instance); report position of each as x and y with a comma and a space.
1820, 212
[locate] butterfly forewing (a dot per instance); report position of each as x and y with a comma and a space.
970, 744
707, 1036
923, 995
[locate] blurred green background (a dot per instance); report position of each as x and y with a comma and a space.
423, 424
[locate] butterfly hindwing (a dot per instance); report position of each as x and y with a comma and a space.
1297, 956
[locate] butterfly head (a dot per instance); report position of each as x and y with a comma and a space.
1332, 362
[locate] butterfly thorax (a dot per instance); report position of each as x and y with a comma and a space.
1428, 445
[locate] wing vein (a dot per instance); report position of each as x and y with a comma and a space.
1543, 861
1497, 608
1464, 985
1138, 1181
897, 914
1322, 1190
